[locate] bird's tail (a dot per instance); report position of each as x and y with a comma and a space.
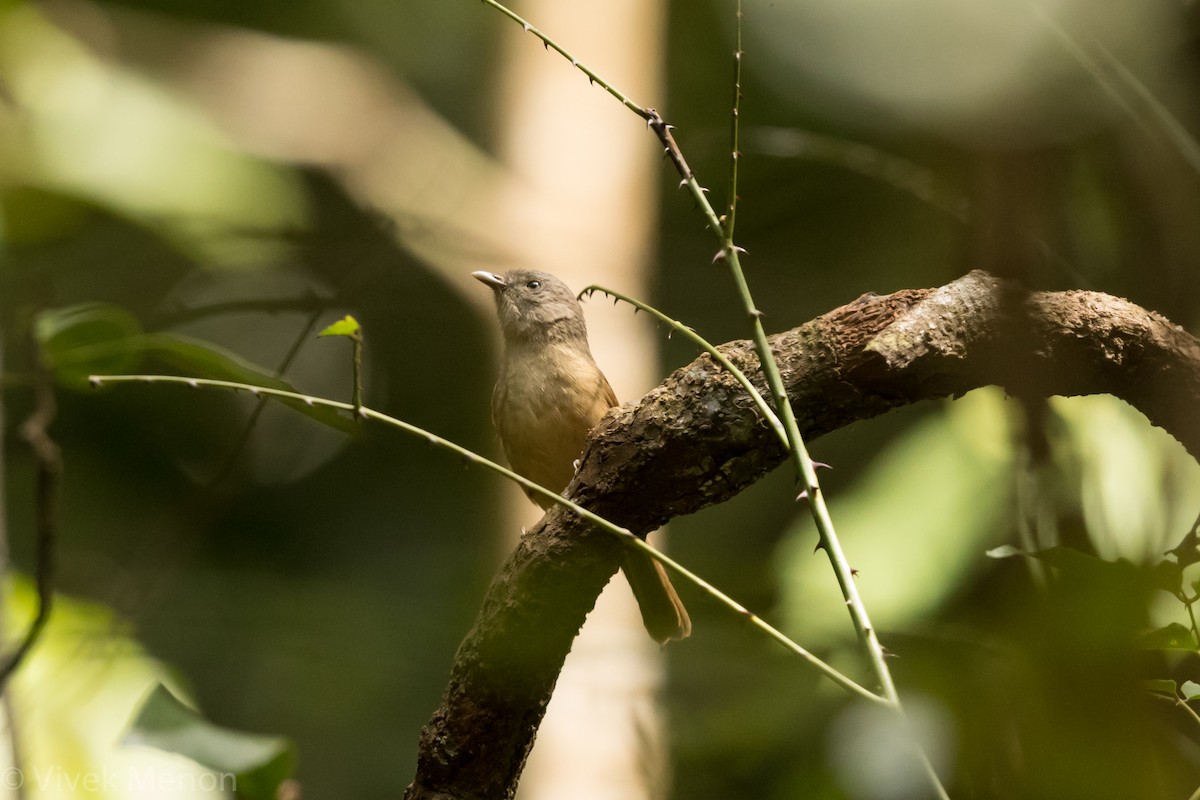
663, 613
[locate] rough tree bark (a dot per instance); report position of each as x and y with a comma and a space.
696, 440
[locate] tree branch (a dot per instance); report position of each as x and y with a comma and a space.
697, 439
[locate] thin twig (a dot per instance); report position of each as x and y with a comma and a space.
252, 421
35, 431
550, 44
764, 408
627, 536
801, 460
735, 125
803, 463
798, 452
1128, 92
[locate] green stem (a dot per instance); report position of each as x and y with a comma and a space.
627, 536
798, 452
807, 473
763, 407
550, 44
735, 124
1183, 703
1192, 616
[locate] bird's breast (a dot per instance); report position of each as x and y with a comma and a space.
544, 404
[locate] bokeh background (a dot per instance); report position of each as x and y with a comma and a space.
243, 174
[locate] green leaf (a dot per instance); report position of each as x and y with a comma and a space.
346, 326
1160, 686
1190, 690
81, 340
194, 358
254, 764
1067, 559
1168, 637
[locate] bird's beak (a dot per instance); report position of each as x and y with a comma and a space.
490, 278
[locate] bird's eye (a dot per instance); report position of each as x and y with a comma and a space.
533, 285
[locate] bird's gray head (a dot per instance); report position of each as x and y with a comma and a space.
535, 307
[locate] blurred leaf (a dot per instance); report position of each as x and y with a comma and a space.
1187, 552
258, 763
1137, 485
1082, 564
346, 326
1070, 560
918, 518
78, 341
1160, 686
103, 339
198, 359
176, 171
1168, 637
79, 688
1168, 576
1190, 690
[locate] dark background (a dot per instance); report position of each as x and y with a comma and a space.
301, 582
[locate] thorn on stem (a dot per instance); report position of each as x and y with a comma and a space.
802, 496
720, 255
192, 384
754, 312
95, 381
526, 26
821, 465
683, 183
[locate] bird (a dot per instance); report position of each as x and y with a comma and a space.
549, 394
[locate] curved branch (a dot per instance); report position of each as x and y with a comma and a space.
697, 439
